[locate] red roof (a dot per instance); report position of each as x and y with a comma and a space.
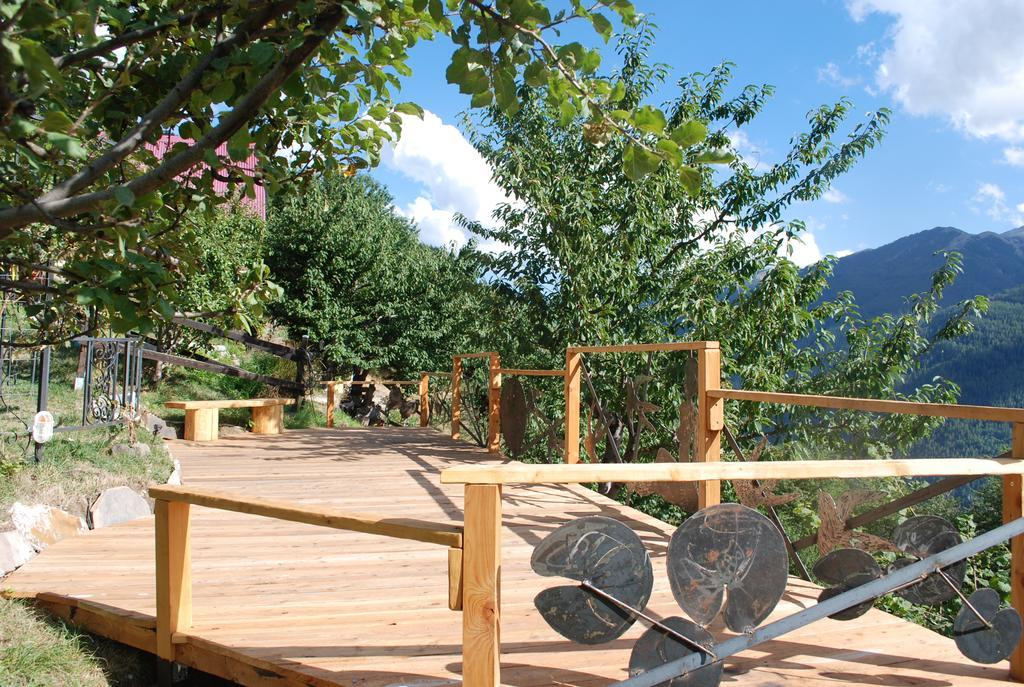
257, 203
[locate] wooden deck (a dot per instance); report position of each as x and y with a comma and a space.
279, 603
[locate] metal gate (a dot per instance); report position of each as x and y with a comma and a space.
112, 381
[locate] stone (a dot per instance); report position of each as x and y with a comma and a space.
117, 505
153, 423
167, 432
175, 478
139, 450
42, 525
230, 431
15, 552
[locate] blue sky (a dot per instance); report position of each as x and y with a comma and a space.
952, 73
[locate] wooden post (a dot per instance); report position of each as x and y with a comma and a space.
710, 421
173, 575
424, 400
1013, 508
481, 587
456, 396
573, 372
202, 424
494, 404
330, 404
268, 419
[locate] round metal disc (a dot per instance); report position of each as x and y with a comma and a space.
513, 415
612, 558
920, 537
845, 569
983, 644
728, 558
657, 647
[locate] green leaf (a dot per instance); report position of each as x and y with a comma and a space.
56, 120
689, 133
536, 74
409, 109
638, 162
690, 176
69, 145
124, 196
238, 145
222, 91
601, 25
649, 119
715, 156
348, 110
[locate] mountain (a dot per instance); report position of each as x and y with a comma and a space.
988, 364
882, 278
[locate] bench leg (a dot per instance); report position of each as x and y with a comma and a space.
268, 420
201, 424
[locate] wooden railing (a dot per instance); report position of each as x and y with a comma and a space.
174, 559
483, 483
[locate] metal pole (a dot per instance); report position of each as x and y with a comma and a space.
857, 595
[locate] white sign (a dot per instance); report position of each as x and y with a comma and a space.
42, 427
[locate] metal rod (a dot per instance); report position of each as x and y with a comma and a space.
693, 644
772, 515
600, 412
964, 599
823, 609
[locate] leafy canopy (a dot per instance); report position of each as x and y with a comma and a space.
305, 86
357, 280
595, 256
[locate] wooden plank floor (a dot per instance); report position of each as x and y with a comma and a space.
288, 604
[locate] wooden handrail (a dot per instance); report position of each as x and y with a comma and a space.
444, 534
530, 373
384, 382
947, 410
582, 473
647, 348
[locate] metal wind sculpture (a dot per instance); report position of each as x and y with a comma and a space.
730, 561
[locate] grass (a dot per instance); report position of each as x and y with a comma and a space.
76, 467
38, 651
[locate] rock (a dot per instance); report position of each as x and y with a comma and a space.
42, 525
14, 551
230, 431
139, 450
117, 505
153, 423
175, 479
167, 432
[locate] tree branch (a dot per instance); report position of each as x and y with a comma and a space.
197, 17
166, 107
323, 25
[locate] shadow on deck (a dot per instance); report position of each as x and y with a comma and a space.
280, 603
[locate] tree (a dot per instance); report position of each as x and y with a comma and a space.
596, 256
307, 86
222, 281
357, 280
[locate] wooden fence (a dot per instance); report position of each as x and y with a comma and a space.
483, 484
474, 562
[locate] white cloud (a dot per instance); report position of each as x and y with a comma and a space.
991, 199
805, 250
454, 177
843, 253
1014, 156
835, 196
831, 74
961, 60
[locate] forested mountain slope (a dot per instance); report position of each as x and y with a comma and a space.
989, 364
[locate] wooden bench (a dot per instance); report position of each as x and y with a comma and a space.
201, 417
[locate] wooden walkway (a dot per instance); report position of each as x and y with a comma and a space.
278, 603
